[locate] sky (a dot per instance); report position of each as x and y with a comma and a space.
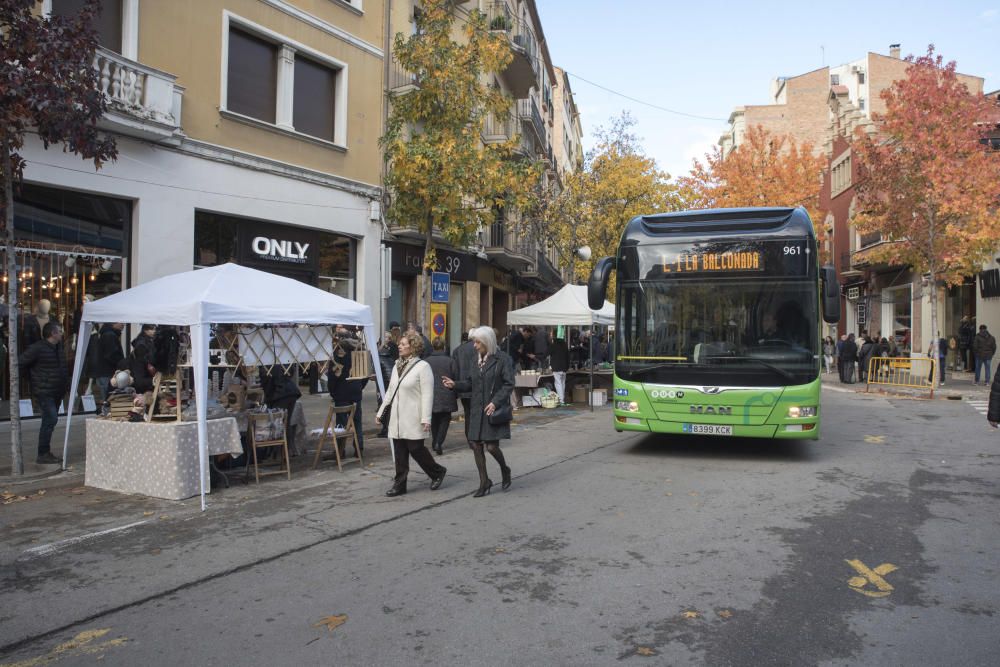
705, 58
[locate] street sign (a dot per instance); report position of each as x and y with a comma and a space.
440, 287
439, 319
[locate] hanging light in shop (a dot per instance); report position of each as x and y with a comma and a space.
70, 262
106, 265
74, 279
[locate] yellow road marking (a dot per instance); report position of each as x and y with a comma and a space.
872, 576
81, 644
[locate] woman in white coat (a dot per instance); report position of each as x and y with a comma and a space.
411, 397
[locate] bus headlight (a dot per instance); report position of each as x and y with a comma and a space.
795, 412
627, 406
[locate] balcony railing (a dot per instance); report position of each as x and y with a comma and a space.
522, 72
510, 240
527, 111
142, 101
870, 239
498, 129
400, 79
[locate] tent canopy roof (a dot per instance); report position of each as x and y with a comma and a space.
228, 293
568, 306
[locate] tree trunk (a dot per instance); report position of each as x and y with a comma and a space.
423, 303
17, 461
935, 335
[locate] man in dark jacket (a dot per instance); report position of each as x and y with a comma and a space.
444, 398
465, 357
109, 355
45, 363
966, 332
345, 391
984, 347
864, 356
850, 354
140, 361
993, 410
559, 360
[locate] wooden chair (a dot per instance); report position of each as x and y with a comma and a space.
252, 420
349, 433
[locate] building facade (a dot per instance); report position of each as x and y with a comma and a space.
508, 266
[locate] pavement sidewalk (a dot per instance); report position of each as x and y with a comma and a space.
958, 386
44, 477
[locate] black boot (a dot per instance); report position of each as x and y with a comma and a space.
396, 490
484, 481
494, 449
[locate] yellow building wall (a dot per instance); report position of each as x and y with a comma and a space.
184, 38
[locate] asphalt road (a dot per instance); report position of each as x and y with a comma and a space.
875, 545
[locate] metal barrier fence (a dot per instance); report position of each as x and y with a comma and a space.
912, 372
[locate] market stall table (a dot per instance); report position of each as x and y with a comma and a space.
158, 459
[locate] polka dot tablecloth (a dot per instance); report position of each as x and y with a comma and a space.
158, 459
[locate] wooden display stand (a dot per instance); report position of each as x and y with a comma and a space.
252, 419
347, 433
169, 385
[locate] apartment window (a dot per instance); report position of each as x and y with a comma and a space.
312, 107
861, 104
834, 79
252, 83
107, 23
861, 78
840, 176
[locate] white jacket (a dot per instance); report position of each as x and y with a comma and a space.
412, 402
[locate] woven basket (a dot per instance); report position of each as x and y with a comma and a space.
550, 401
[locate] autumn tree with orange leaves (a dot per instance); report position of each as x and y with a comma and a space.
927, 182
765, 170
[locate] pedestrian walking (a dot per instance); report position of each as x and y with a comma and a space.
828, 349
45, 363
465, 359
559, 359
840, 356
993, 409
410, 402
966, 332
490, 384
140, 360
850, 353
445, 400
984, 346
942, 354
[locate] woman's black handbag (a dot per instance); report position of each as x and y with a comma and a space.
501, 416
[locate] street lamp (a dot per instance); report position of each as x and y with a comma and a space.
583, 253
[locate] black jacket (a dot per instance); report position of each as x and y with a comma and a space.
443, 365
993, 412
984, 345
465, 358
966, 332
342, 390
850, 351
45, 364
278, 386
143, 354
109, 352
559, 356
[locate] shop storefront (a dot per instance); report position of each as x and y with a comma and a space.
322, 259
69, 247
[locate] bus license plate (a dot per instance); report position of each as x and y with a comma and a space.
708, 429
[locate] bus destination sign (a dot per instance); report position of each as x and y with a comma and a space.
715, 262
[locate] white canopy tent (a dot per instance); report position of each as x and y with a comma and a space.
567, 307
226, 294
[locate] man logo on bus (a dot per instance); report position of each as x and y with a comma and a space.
667, 393
711, 410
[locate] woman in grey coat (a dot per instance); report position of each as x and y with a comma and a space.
490, 382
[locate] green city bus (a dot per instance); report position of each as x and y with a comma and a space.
718, 323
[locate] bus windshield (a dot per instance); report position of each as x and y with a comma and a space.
751, 332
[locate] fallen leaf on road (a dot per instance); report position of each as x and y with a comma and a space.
148, 513
693, 493
690, 613
645, 650
164, 516
668, 494
501, 550
331, 622
6, 495
725, 613
155, 552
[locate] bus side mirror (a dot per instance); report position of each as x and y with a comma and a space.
597, 286
831, 295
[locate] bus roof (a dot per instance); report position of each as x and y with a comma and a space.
721, 220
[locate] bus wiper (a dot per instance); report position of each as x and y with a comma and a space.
777, 369
654, 367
